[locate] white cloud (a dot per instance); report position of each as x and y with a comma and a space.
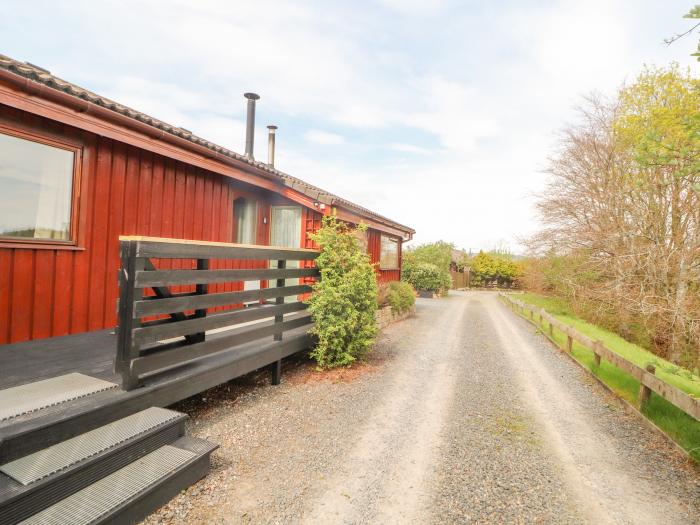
410, 148
472, 94
317, 136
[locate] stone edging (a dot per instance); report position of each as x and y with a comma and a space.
385, 316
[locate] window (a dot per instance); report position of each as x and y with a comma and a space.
246, 213
389, 253
36, 189
361, 237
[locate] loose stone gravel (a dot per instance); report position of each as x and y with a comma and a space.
461, 415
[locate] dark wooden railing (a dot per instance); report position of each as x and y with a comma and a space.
170, 327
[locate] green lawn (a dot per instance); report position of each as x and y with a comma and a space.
683, 428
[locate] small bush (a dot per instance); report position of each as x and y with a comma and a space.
383, 295
427, 276
344, 301
401, 296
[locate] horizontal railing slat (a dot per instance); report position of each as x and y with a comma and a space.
672, 394
145, 279
154, 333
198, 250
154, 306
173, 357
147, 345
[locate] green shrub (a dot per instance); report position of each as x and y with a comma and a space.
427, 267
401, 296
344, 301
426, 276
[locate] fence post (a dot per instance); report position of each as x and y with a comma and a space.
551, 329
276, 367
645, 391
569, 341
128, 293
201, 289
596, 355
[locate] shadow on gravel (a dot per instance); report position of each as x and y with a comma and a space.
298, 369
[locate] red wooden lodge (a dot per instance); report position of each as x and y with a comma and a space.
199, 225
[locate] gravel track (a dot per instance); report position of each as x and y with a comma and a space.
463, 414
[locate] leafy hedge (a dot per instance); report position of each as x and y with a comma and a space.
344, 301
427, 267
398, 294
426, 276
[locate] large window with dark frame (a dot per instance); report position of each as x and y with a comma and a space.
389, 253
36, 189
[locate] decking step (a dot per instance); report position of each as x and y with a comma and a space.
132, 438
130, 493
24, 399
56, 458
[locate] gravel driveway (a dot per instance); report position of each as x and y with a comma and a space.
462, 415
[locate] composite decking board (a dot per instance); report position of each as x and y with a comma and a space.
58, 457
90, 353
33, 397
30, 434
93, 502
18, 501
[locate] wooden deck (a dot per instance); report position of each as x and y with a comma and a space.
93, 354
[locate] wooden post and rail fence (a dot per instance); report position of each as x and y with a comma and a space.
170, 328
648, 382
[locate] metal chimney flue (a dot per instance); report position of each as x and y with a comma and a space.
271, 145
250, 124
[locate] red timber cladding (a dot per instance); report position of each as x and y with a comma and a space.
311, 220
374, 249
126, 191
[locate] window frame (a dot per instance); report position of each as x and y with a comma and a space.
75, 218
396, 241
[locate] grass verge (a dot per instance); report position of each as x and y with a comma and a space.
684, 429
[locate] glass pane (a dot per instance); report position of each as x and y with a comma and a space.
285, 230
246, 212
389, 257
35, 189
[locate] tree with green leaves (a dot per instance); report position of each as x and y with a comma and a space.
488, 269
693, 14
622, 213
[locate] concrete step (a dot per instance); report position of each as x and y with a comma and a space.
39, 480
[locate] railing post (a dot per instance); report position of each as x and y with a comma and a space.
596, 355
128, 293
277, 366
569, 341
645, 391
281, 265
202, 289
551, 328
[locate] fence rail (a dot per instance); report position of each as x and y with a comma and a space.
648, 382
179, 333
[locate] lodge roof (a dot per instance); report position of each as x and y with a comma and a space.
44, 77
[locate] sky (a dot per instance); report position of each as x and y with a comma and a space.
439, 115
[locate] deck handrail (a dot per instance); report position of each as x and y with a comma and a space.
144, 343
